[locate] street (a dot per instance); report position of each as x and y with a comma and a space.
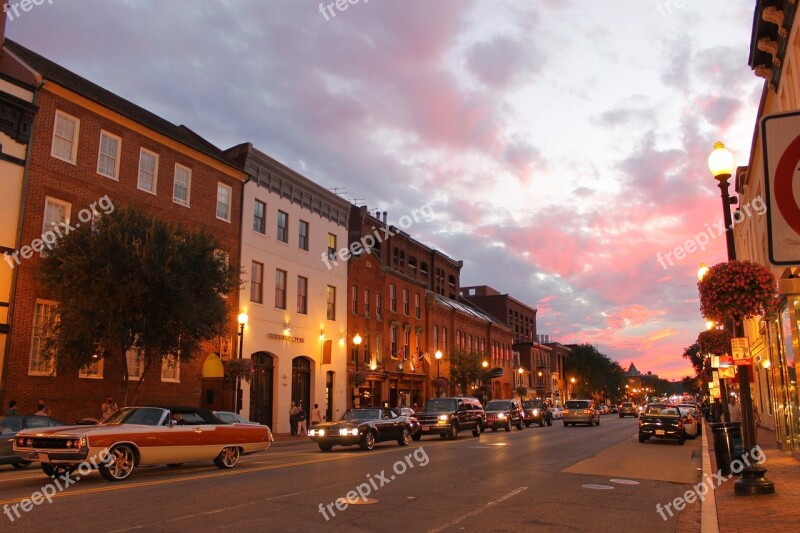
538, 479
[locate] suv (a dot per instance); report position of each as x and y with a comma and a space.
447, 416
503, 414
537, 411
628, 409
581, 412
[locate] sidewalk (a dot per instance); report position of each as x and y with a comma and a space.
778, 512
284, 439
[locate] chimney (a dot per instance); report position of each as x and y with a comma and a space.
385, 215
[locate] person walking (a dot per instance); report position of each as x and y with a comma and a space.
735, 411
109, 407
293, 420
316, 416
302, 428
12, 408
43, 410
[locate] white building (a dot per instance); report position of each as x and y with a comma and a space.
295, 301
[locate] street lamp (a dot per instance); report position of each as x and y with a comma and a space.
721, 164
242, 319
438, 356
572, 388
356, 343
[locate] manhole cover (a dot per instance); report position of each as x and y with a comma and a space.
624, 481
358, 501
598, 487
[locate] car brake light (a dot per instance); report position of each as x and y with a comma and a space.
680, 424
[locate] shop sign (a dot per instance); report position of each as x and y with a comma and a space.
740, 349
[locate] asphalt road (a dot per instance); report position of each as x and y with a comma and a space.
538, 479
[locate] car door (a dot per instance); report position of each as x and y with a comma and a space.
391, 426
190, 440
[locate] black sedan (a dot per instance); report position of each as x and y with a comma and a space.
362, 427
10, 426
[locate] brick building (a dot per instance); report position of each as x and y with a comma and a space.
521, 318
92, 151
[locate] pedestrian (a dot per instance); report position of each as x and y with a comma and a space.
316, 416
302, 428
735, 411
12, 408
293, 419
109, 407
756, 417
43, 409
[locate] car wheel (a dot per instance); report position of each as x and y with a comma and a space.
519, 424
227, 458
21, 464
119, 464
508, 424
565, 424
642, 438
55, 471
549, 421
368, 442
598, 421
325, 446
478, 429
416, 437
405, 440
453, 435
622, 416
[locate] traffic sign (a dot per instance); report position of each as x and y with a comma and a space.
740, 349
781, 140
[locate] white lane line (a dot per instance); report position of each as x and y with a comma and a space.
478, 510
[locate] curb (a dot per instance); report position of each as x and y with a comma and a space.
708, 512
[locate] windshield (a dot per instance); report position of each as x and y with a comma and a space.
532, 404
498, 405
662, 410
148, 416
441, 404
362, 414
627, 404
578, 404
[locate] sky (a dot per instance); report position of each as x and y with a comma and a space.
560, 144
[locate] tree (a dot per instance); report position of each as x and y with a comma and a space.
692, 353
135, 282
594, 372
465, 367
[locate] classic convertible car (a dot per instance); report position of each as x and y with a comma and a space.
139, 436
364, 427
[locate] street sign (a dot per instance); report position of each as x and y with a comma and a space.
781, 140
740, 349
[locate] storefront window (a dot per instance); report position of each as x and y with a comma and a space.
789, 332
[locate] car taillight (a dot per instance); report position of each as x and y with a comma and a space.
565, 411
640, 422
587, 411
680, 424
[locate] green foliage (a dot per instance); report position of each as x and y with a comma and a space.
134, 281
522, 391
692, 353
465, 367
594, 372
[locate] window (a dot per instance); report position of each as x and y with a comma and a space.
44, 319
148, 171
135, 359
182, 185
393, 298
302, 237
65, 138
93, 370
224, 194
171, 369
393, 343
378, 351
331, 246
280, 288
331, 303
108, 157
260, 217
417, 306
367, 301
302, 295
354, 298
412, 265
366, 350
444, 340
378, 306
435, 337
257, 282
405, 302
283, 227
56, 212
406, 343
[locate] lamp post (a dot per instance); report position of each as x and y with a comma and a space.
242, 319
438, 356
721, 164
572, 392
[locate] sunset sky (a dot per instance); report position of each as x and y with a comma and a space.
562, 144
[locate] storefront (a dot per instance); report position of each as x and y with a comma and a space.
783, 335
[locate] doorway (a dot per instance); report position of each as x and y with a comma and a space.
301, 382
261, 389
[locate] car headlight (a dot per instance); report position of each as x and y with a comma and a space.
348, 431
535, 412
316, 432
501, 416
444, 417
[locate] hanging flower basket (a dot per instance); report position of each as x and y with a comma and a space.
714, 341
357, 379
737, 290
239, 368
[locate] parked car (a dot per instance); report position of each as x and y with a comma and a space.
603, 409
537, 411
141, 436
447, 416
581, 412
628, 409
696, 415
613, 408
503, 414
413, 423
557, 413
691, 420
363, 427
10, 426
662, 421
229, 417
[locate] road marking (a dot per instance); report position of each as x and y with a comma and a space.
594, 486
478, 510
624, 481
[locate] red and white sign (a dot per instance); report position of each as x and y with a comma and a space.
781, 139
740, 349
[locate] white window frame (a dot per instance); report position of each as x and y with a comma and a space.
144, 151
170, 369
228, 206
136, 369
48, 225
175, 199
257, 281
43, 368
116, 156
262, 229
93, 370
74, 148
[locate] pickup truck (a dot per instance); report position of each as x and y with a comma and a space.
661, 421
